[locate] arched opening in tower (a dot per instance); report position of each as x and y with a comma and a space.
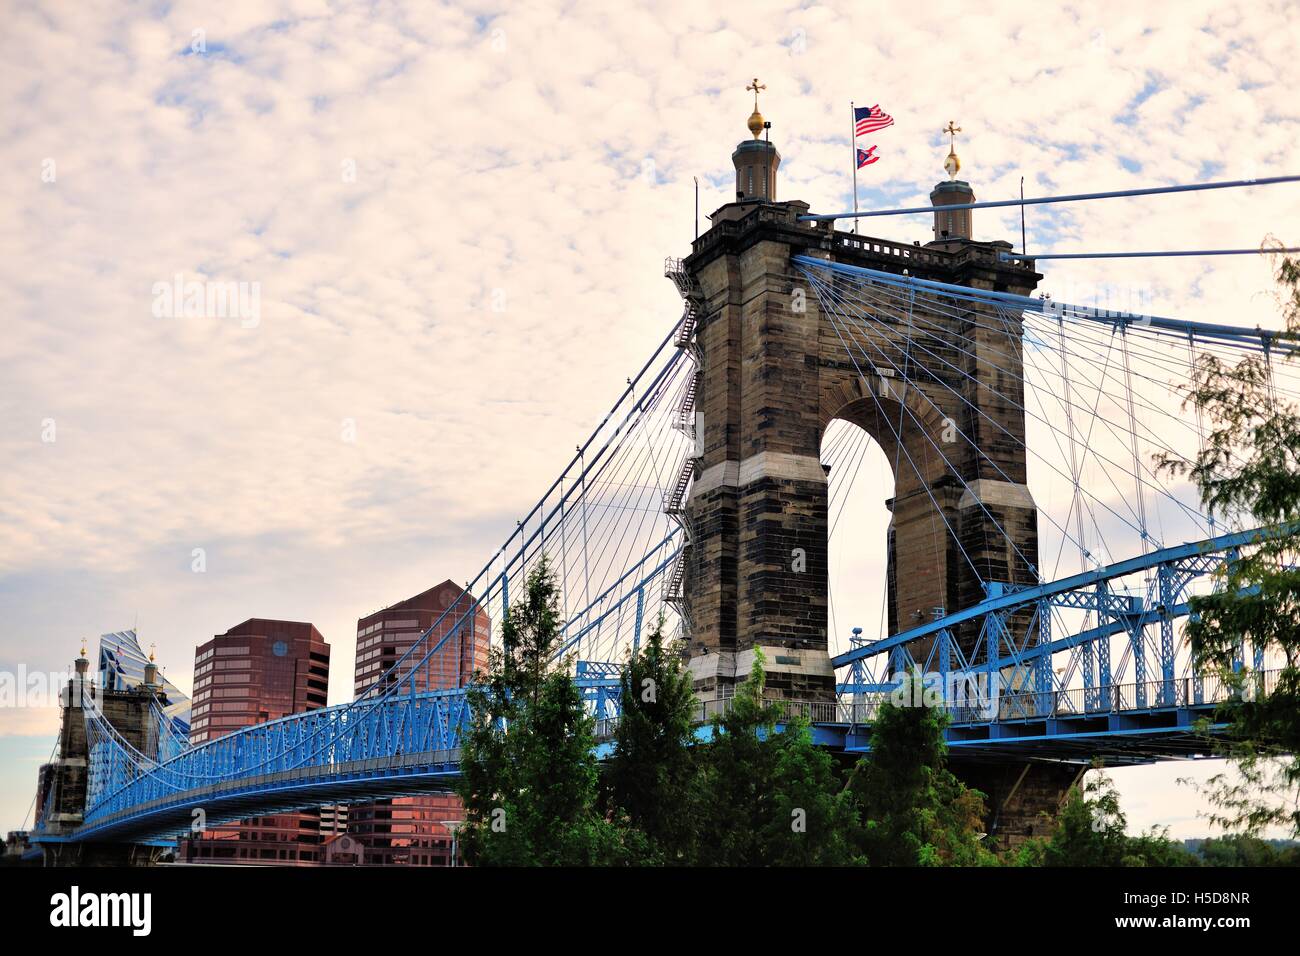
861, 483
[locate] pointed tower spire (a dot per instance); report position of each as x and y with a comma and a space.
756, 160
954, 224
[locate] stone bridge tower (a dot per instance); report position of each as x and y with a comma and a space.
774, 371
63, 783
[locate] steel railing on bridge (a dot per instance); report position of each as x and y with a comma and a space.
862, 709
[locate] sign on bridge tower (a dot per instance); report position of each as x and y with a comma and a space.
775, 369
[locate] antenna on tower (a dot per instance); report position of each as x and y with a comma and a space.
1022, 215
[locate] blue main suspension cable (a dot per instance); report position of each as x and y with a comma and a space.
1043, 200
1168, 253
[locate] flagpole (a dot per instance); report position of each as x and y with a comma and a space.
853, 151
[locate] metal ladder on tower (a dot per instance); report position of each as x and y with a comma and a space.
686, 410
674, 582
674, 592
675, 500
692, 309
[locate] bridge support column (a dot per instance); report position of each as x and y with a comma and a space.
759, 499
1023, 799
781, 353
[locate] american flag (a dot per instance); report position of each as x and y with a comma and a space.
868, 119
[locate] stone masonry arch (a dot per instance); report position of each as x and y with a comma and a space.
939, 396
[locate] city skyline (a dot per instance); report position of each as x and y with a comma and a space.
446, 217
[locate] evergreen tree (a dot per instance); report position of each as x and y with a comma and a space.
528, 767
914, 811
736, 798
652, 774
769, 798
814, 821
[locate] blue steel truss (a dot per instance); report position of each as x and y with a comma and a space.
408, 743
1083, 665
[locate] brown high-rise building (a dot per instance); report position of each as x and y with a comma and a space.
409, 830
258, 671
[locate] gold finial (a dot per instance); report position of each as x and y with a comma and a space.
151, 648
756, 118
952, 164
83, 648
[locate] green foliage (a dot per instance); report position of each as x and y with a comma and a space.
914, 811
529, 771
736, 799
1249, 472
1243, 850
652, 774
813, 822
769, 798
1092, 831
757, 793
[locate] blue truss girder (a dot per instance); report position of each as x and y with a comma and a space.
311, 746
1078, 590
407, 742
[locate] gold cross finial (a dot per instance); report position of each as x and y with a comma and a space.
952, 164
756, 123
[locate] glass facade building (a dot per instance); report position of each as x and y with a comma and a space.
410, 831
121, 667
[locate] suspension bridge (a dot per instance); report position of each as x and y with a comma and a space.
1039, 565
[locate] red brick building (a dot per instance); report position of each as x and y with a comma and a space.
258, 671
408, 831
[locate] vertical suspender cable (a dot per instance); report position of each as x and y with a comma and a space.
1268, 377
1200, 424
1076, 504
1139, 638
564, 555
586, 571
1133, 443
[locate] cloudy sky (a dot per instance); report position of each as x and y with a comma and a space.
456, 218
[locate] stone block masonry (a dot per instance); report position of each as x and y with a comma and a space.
775, 371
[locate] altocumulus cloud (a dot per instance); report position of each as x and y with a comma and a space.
456, 218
